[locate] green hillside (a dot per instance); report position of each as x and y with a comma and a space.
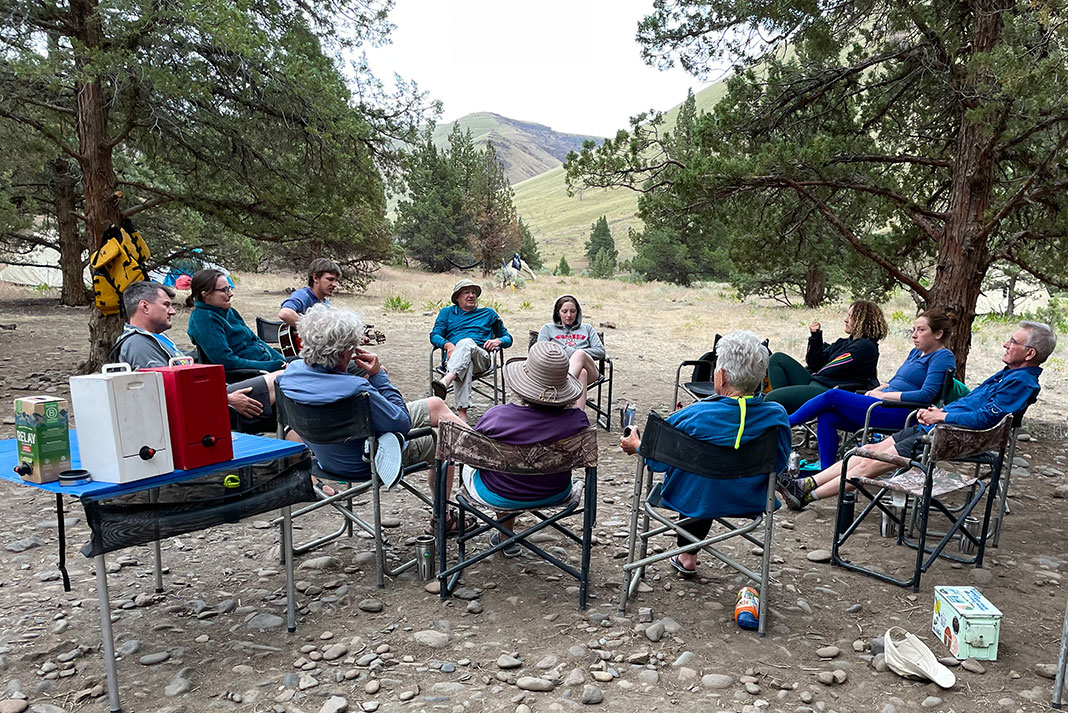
526, 149
561, 224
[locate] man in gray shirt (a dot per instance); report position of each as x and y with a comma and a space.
143, 344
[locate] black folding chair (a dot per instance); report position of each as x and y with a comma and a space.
595, 396
489, 383
668, 445
267, 329
341, 422
923, 480
463, 446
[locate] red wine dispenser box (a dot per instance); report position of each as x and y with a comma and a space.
198, 413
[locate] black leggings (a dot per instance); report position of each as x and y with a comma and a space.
697, 528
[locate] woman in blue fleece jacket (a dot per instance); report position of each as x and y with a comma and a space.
919, 380
219, 331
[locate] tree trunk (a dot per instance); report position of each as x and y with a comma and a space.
98, 172
815, 286
1010, 295
963, 254
70, 242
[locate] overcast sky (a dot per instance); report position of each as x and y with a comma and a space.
570, 64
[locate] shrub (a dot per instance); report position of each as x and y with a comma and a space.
563, 268
396, 303
434, 305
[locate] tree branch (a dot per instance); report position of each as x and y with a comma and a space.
853, 240
1059, 283
41, 129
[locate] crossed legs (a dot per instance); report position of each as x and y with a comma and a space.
467, 360
584, 368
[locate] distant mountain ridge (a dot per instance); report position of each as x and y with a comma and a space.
526, 149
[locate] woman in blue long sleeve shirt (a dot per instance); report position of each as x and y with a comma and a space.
919, 380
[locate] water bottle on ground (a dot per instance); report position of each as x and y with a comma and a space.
747, 610
794, 465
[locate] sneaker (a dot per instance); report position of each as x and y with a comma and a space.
512, 550
439, 389
791, 491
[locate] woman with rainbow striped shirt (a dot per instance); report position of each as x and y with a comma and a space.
849, 363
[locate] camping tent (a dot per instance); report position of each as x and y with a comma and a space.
45, 271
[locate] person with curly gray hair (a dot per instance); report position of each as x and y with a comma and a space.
331, 340
734, 416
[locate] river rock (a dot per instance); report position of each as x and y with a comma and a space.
592, 695
819, 556
828, 652
370, 605
431, 638
505, 661
335, 704
13, 705
533, 683
264, 620
716, 681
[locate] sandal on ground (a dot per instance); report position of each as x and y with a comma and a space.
324, 487
680, 568
438, 388
512, 550
452, 525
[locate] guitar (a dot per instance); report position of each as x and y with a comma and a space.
289, 341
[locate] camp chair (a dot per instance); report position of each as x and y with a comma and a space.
489, 383
1001, 508
700, 385
267, 329
458, 445
595, 402
927, 483
664, 443
337, 422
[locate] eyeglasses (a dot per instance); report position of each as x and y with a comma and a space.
1018, 344
224, 289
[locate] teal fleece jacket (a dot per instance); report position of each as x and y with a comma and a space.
225, 339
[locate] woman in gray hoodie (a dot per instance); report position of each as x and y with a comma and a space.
579, 340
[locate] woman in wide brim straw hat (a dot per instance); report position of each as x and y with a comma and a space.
545, 412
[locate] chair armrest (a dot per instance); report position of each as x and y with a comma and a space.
418, 433
882, 403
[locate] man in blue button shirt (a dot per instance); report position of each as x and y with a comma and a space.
1006, 392
466, 333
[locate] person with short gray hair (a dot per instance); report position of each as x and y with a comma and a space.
734, 416
331, 339
1041, 339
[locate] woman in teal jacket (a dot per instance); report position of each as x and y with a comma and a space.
218, 330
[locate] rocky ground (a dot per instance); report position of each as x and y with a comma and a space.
513, 639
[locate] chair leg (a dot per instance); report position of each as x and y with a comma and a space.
632, 544
765, 560
588, 516
440, 509
376, 504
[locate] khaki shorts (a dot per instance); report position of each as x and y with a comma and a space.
422, 449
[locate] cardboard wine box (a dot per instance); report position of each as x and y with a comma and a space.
43, 435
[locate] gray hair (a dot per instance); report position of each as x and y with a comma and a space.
743, 359
326, 332
1042, 340
143, 290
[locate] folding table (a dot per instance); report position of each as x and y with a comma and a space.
148, 525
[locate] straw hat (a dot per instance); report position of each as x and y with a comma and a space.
462, 283
542, 377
